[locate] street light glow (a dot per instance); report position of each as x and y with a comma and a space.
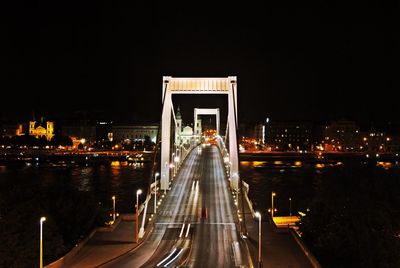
139, 191
258, 215
42, 219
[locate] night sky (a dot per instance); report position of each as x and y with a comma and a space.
291, 64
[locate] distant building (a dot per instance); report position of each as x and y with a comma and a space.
378, 141
259, 133
128, 133
342, 135
185, 135
41, 129
10, 130
104, 133
288, 136
35, 128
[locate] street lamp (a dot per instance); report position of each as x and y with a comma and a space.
272, 204
176, 160
290, 206
155, 192
258, 215
42, 219
113, 199
138, 192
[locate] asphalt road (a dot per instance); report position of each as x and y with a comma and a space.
196, 223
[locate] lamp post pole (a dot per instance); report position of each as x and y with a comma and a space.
42, 219
113, 199
272, 204
155, 192
258, 215
138, 192
290, 206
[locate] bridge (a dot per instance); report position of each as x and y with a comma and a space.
200, 209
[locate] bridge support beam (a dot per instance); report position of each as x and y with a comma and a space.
165, 139
233, 145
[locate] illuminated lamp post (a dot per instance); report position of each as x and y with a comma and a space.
272, 210
258, 215
113, 199
155, 192
138, 192
42, 219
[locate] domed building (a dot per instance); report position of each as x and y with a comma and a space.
41, 129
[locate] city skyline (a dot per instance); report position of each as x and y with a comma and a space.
305, 64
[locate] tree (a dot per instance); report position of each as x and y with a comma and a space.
20, 230
354, 218
58, 140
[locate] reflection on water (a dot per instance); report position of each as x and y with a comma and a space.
121, 179
385, 165
291, 179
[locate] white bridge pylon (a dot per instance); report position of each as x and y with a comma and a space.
180, 85
203, 111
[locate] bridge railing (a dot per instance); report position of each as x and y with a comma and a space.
224, 152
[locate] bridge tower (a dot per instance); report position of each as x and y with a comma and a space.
178, 85
197, 126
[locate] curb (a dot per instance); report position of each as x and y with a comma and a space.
314, 262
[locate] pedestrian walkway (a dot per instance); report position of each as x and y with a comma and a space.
279, 248
106, 245
103, 246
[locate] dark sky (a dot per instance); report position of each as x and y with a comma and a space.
291, 64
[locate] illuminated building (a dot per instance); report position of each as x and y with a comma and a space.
341, 135
289, 136
184, 135
128, 133
39, 129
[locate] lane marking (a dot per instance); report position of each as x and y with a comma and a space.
183, 227
161, 262
174, 258
187, 232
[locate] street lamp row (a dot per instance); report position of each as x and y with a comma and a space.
138, 192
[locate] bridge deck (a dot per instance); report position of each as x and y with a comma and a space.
200, 197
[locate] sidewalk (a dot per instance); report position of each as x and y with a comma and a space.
106, 245
279, 248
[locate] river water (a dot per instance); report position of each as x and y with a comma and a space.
289, 179
104, 180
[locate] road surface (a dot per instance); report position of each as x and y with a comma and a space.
196, 224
